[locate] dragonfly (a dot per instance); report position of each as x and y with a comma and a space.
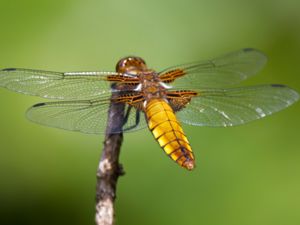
199, 94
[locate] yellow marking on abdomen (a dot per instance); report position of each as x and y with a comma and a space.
166, 129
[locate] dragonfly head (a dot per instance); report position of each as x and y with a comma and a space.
131, 64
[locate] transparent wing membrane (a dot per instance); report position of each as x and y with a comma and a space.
192, 95
230, 107
56, 85
83, 116
219, 72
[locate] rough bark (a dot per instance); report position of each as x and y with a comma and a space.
109, 168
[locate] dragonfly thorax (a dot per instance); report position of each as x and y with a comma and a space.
151, 85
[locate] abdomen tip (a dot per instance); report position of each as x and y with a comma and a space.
189, 164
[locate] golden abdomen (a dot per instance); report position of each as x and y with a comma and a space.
166, 129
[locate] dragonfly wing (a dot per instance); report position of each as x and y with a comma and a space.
57, 85
219, 72
235, 106
87, 116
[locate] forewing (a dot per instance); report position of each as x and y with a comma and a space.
83, 116
219, 72
57, 85
230, 107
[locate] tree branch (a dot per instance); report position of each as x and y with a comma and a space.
109, 168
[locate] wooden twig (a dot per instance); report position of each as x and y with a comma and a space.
109, 168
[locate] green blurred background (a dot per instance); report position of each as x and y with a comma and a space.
247, 175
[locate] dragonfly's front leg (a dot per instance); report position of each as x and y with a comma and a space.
134, 105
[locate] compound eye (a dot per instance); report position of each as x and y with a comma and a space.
131, 63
